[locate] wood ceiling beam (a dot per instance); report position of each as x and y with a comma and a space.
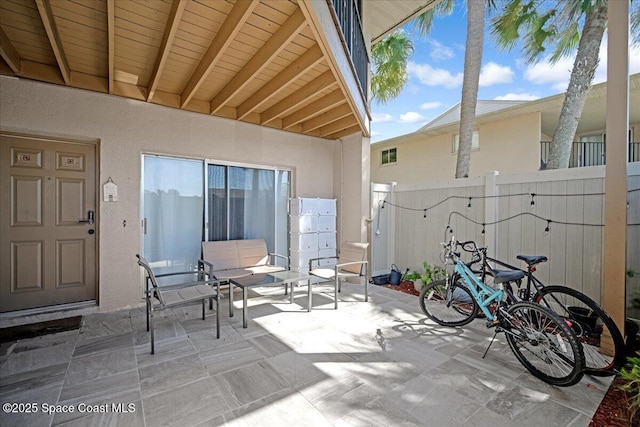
304, 63
338, 126
348, 131
42, 72
111, 40
325, 81
9, 53
48, 21
319, 106
227, 33
326, 118
175, 15
276, 43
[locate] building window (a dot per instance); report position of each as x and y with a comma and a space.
475, 142
389, 156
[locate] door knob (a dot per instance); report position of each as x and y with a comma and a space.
90, 218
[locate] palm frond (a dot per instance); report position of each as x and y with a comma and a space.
389, 66
424, 22
567, 43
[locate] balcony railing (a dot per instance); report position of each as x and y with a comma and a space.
587, 153
347, 14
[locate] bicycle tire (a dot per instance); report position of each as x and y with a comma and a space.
544, 344
448, 306
588, 329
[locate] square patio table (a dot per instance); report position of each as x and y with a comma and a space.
280, 278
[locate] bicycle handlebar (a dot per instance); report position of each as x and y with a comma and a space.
468, 246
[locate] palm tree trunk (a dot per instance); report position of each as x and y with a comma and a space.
584, 68
472, 64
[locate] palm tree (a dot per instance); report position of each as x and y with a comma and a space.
389, 56
389, 60
470, 81
558, 25
389, 66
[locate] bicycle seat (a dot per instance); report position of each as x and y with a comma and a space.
502, 276
532, 259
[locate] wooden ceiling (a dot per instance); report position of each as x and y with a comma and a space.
254, 61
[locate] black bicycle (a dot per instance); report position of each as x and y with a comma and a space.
601, 340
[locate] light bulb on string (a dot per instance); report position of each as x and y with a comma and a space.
469, 205
547, 228
425, 213
483, 228
533, 202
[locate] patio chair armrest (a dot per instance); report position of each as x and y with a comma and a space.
204, 263
178, 273
318, 259
346, 264
285, 258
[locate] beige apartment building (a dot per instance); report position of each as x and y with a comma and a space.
510, 137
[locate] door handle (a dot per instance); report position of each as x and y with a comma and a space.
90, 218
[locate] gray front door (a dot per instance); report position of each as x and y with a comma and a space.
47, 246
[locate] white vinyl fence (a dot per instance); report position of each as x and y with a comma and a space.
569, 203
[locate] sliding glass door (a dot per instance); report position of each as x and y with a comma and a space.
172, 213
241, 202
248, 203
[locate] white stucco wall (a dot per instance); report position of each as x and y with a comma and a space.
125, 129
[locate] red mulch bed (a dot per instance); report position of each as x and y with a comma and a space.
405, 286
614, 408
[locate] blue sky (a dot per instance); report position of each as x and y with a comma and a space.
435, 77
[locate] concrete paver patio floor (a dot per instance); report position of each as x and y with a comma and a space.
365, 364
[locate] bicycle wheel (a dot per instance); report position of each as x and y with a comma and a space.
591, 325
543, 343
451, 305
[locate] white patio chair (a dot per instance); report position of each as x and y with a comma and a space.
351, 262
178, 294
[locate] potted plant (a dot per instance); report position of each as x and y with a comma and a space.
430, 274
416, 278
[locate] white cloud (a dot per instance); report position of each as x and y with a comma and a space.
557, 75
493, 74
381, 117
440, 52
375, 134
411, 117
430, 105
554, 75
430, 76
516, 97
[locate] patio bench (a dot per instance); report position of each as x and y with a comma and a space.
232, 259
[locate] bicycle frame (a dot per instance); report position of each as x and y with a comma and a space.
531, 279
486, 295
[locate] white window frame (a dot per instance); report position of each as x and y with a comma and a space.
475, 142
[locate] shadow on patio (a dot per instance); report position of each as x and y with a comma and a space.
377, 363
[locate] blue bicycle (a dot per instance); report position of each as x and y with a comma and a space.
541, 340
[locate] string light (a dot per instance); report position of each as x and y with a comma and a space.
532, 203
